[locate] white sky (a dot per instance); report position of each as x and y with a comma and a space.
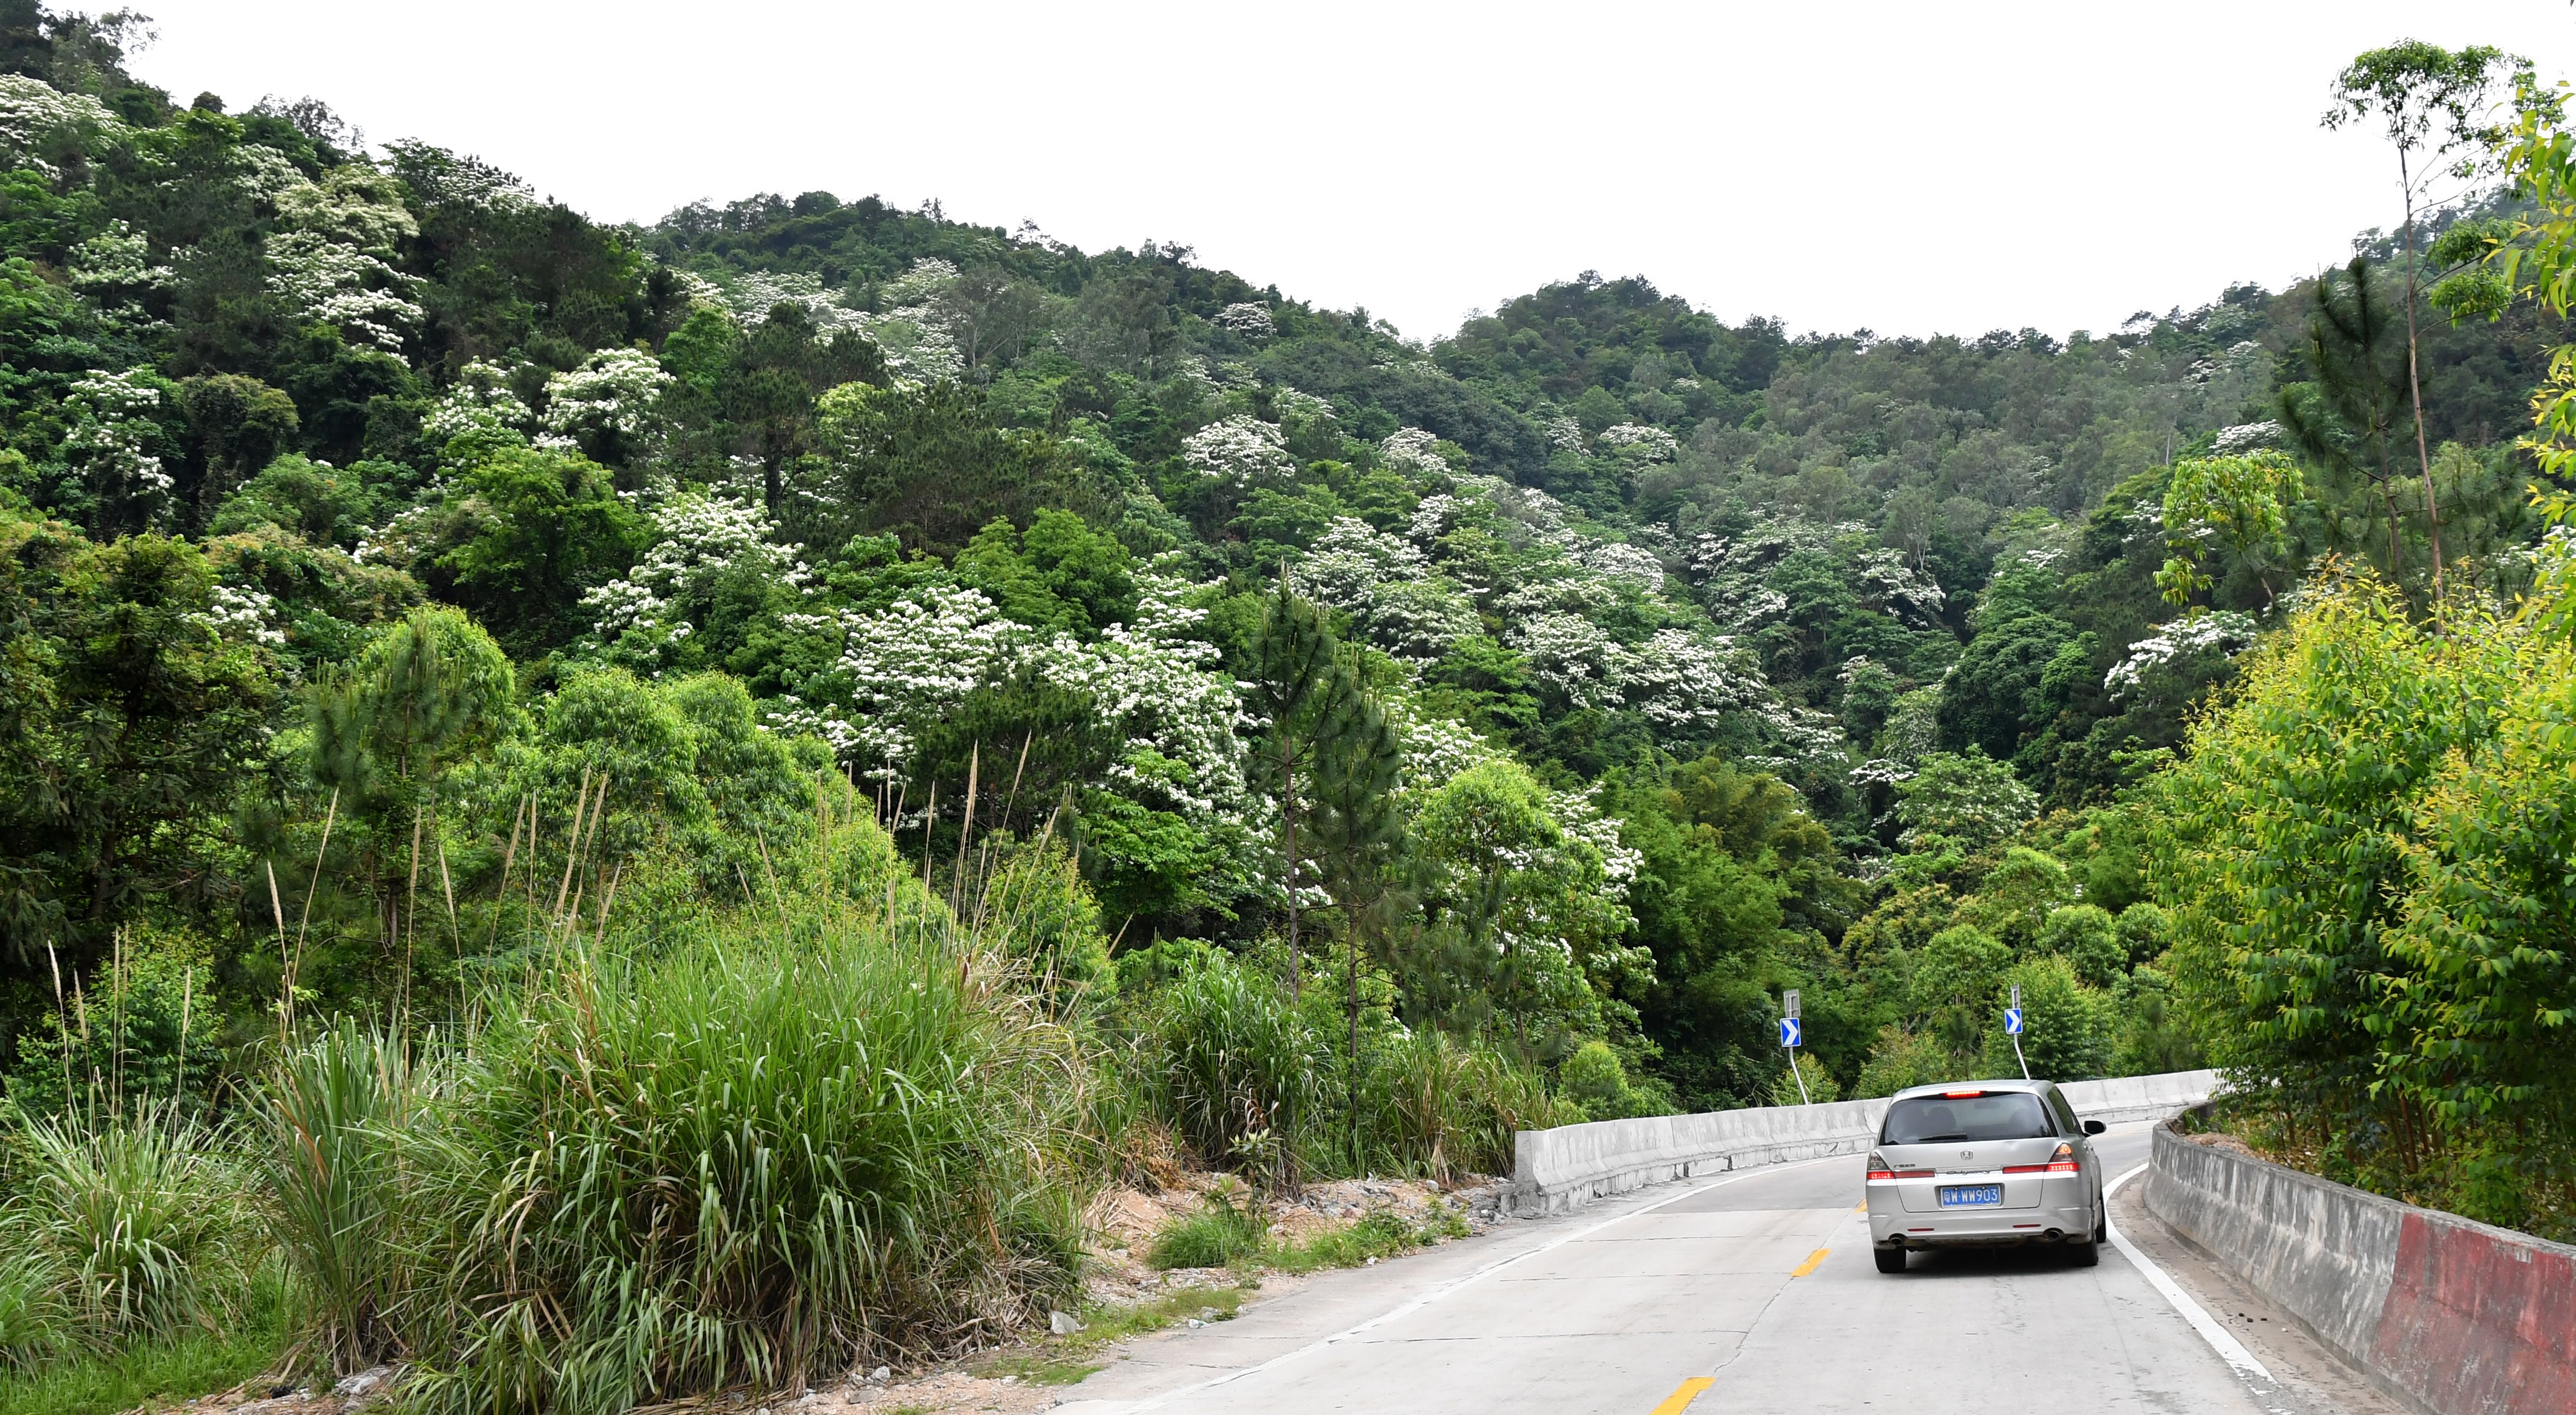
1907, 167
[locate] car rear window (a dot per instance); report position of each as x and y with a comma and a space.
1990, 1115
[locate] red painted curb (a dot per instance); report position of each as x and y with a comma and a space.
2475, 1322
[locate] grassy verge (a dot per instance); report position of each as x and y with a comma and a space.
1063, 1360
156, 1373
1220, 1236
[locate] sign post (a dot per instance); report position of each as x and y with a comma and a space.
2012, 1029
1789, 1038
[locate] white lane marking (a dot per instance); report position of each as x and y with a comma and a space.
1408, 1308
2229, 1349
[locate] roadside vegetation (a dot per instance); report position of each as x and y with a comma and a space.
607, 814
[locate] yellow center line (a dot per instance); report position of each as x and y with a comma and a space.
1813, 1259
1683, 1395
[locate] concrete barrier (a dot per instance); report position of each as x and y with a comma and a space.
1554, 1171
2455, 1317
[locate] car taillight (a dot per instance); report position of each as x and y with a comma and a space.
1878, 1167
2062, 1162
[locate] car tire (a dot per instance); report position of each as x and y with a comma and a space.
2089, 1252
1890, 1260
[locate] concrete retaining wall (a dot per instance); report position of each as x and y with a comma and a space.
1558, 1170
2456, 1317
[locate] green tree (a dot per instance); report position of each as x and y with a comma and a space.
529, 531
1297, 681
2088, 938
1359, 842
1968, 799
2063, 1035
2242, 504
129, 721
2432, 102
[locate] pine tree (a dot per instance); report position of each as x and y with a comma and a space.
1297, 676
1358, 833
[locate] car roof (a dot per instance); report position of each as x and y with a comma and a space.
2012, 1084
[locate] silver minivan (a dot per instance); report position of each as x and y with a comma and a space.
1985, 1164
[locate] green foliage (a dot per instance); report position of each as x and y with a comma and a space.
2088, 938
528, 531
2239, 505
2347, 862
863, 1130
1227, 1228
1241, 1068
142, 1217
1821, 1085
1060, 575
1968, 800
2064, 1037
334, 1113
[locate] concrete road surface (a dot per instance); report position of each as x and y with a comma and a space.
1750, 1293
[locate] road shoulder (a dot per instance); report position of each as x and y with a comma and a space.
2313, 1379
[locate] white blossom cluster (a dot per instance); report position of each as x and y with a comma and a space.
919, 658
1298, 404
1250, 319
110, 414
1615, 560
262, 172
32, 110
479, 401
1409, 450
614, 390
1684, 682
326, 282
2246, 437
1243, 450
698, 536
1890, 580
751, 294
1436, 749
914, 334
355, 205
243, 614
2225, 630
1640, 442
1387, 587
118, 258
1433, 516
1579, 814
1565, 434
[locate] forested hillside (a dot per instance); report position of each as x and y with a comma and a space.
419, 602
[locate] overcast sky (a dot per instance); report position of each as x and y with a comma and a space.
1908, 168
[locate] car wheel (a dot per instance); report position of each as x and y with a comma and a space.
2089, 1252
1890, 1260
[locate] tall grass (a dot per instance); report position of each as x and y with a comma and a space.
746, 1163
336, 1113
1241, 1066
1441, 1108
144, 1220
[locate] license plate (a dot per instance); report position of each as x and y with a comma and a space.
1969, 1196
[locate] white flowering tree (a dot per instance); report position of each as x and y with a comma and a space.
609, 408
331, 262
114, 457
1242, 450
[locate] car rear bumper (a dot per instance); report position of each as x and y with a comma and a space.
1890, 1225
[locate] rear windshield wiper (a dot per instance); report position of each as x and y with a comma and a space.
1931, 1139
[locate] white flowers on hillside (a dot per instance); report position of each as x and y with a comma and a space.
112, 435
480, 401
1387, 588
614, 391
1639, 442
328, 283
240, 615
1409, 450
330, 263
699, 535
1248, 319
33, 111
1243, 450
117, 259
2225, 630
1613, 560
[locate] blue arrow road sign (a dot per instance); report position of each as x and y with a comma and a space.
1789, 1031
2012, 1021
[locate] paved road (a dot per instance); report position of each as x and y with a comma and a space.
1760, 1285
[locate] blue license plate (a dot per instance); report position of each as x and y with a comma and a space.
1969, 1196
